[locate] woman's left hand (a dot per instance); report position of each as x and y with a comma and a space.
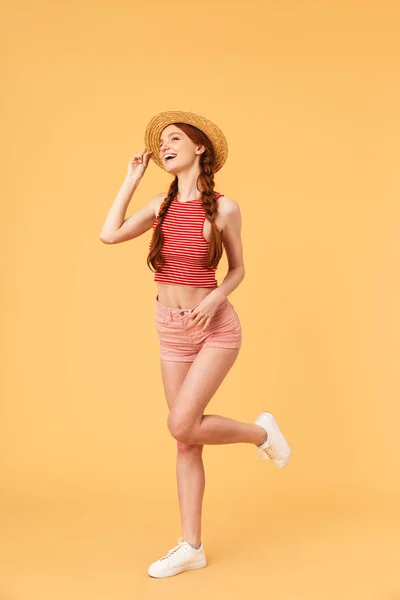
204, 312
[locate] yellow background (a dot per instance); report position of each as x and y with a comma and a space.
308, 95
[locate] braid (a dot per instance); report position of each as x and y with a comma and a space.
210, 206
154, 257
209, 200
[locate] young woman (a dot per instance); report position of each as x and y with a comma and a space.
199, 331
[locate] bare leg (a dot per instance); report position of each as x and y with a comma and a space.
189, 461
191, 484
215, 429
186, 420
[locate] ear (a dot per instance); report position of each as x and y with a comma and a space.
200, 149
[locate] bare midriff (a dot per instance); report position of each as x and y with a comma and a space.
181, 296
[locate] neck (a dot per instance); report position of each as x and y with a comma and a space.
187, 186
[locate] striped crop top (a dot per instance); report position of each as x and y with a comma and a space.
184, 249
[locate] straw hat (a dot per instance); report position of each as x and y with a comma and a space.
161, 120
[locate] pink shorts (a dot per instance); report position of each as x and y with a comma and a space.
181, 339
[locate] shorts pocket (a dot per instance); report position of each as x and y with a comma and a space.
194, 331
161, 319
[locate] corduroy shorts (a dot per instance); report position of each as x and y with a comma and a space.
181, 339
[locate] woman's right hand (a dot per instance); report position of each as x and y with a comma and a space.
138, 164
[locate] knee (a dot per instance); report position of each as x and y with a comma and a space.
189, 448
179, 429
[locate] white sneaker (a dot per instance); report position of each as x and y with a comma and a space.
275, 447
182, 557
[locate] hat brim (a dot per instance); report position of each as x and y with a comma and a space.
163, 119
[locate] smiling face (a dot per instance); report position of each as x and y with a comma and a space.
174, 142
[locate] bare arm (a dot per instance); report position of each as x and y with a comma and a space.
116, 214
232, 241
116, 227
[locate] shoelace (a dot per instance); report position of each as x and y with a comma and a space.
174, 549
268, 451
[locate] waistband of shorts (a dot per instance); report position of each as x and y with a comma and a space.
168, 310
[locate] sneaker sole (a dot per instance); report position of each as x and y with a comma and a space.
198, 565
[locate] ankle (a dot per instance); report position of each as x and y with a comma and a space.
265, 437
194, 545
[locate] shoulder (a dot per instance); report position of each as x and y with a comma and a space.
229, 213
158, 198
157, 201
228, 206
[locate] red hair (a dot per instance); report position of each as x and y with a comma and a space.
206, 179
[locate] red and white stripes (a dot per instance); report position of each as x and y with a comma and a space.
185, 250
